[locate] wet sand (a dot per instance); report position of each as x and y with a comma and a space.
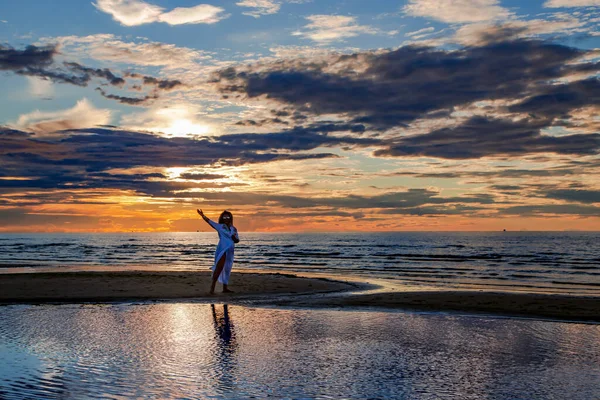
283, 290
552, 306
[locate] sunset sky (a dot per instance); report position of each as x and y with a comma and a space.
300, 115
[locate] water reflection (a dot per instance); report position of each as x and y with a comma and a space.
177, 350
226, 348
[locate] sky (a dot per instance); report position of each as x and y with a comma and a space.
300, 115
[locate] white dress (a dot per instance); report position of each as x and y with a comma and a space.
225, 247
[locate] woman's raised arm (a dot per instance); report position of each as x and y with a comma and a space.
213, 224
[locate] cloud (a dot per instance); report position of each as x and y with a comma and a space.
38, 63
557, 209
576, 195
80, 159
261, 7
32, 58
172, 120
201, 176
130, 12
39, 87
481, 137
97, 72
479, 34
163, 84
132, 101
330, 28
200, 14
390, 89
503, 173
420, 33
137, 12
103, 160
82, 115
558, 100
571, 3
409, 202
108, 47
457, 11
101, 149
448, 88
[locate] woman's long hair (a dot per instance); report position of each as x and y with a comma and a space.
223, 214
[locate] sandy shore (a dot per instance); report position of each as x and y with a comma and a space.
117, 286
282, 290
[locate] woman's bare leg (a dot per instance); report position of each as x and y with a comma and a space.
217, 273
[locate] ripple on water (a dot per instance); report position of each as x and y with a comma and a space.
200, 351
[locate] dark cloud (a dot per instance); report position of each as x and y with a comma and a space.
481, 137
300, 138
82, 158
201, 177
405, 200
32, 57
97, 72
39, 62
263, 122
557, 209
248, 122
391, 89
163, 84
507, 188
83, 161
400, 86
500, 173
576, 195
558, 99
454, 209
132, 101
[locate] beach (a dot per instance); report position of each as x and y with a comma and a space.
290, 290
98, 286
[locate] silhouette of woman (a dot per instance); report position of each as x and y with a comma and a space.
228, 236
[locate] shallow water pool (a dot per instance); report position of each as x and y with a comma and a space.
190, 350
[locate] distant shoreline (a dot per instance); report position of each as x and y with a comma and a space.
279, 289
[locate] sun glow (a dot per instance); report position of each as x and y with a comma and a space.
181, 120
185, 127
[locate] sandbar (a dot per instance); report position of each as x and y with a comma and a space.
512, 304
94, 286
282, 289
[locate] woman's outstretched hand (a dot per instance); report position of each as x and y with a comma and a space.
200, 212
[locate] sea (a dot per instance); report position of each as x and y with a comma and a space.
548, 262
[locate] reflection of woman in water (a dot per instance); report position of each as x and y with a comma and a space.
228, 236
224, 329
226, 348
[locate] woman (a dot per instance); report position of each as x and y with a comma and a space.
228, 236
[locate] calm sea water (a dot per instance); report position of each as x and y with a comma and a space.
202, 351
529, 261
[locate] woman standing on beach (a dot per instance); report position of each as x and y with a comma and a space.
228, 236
